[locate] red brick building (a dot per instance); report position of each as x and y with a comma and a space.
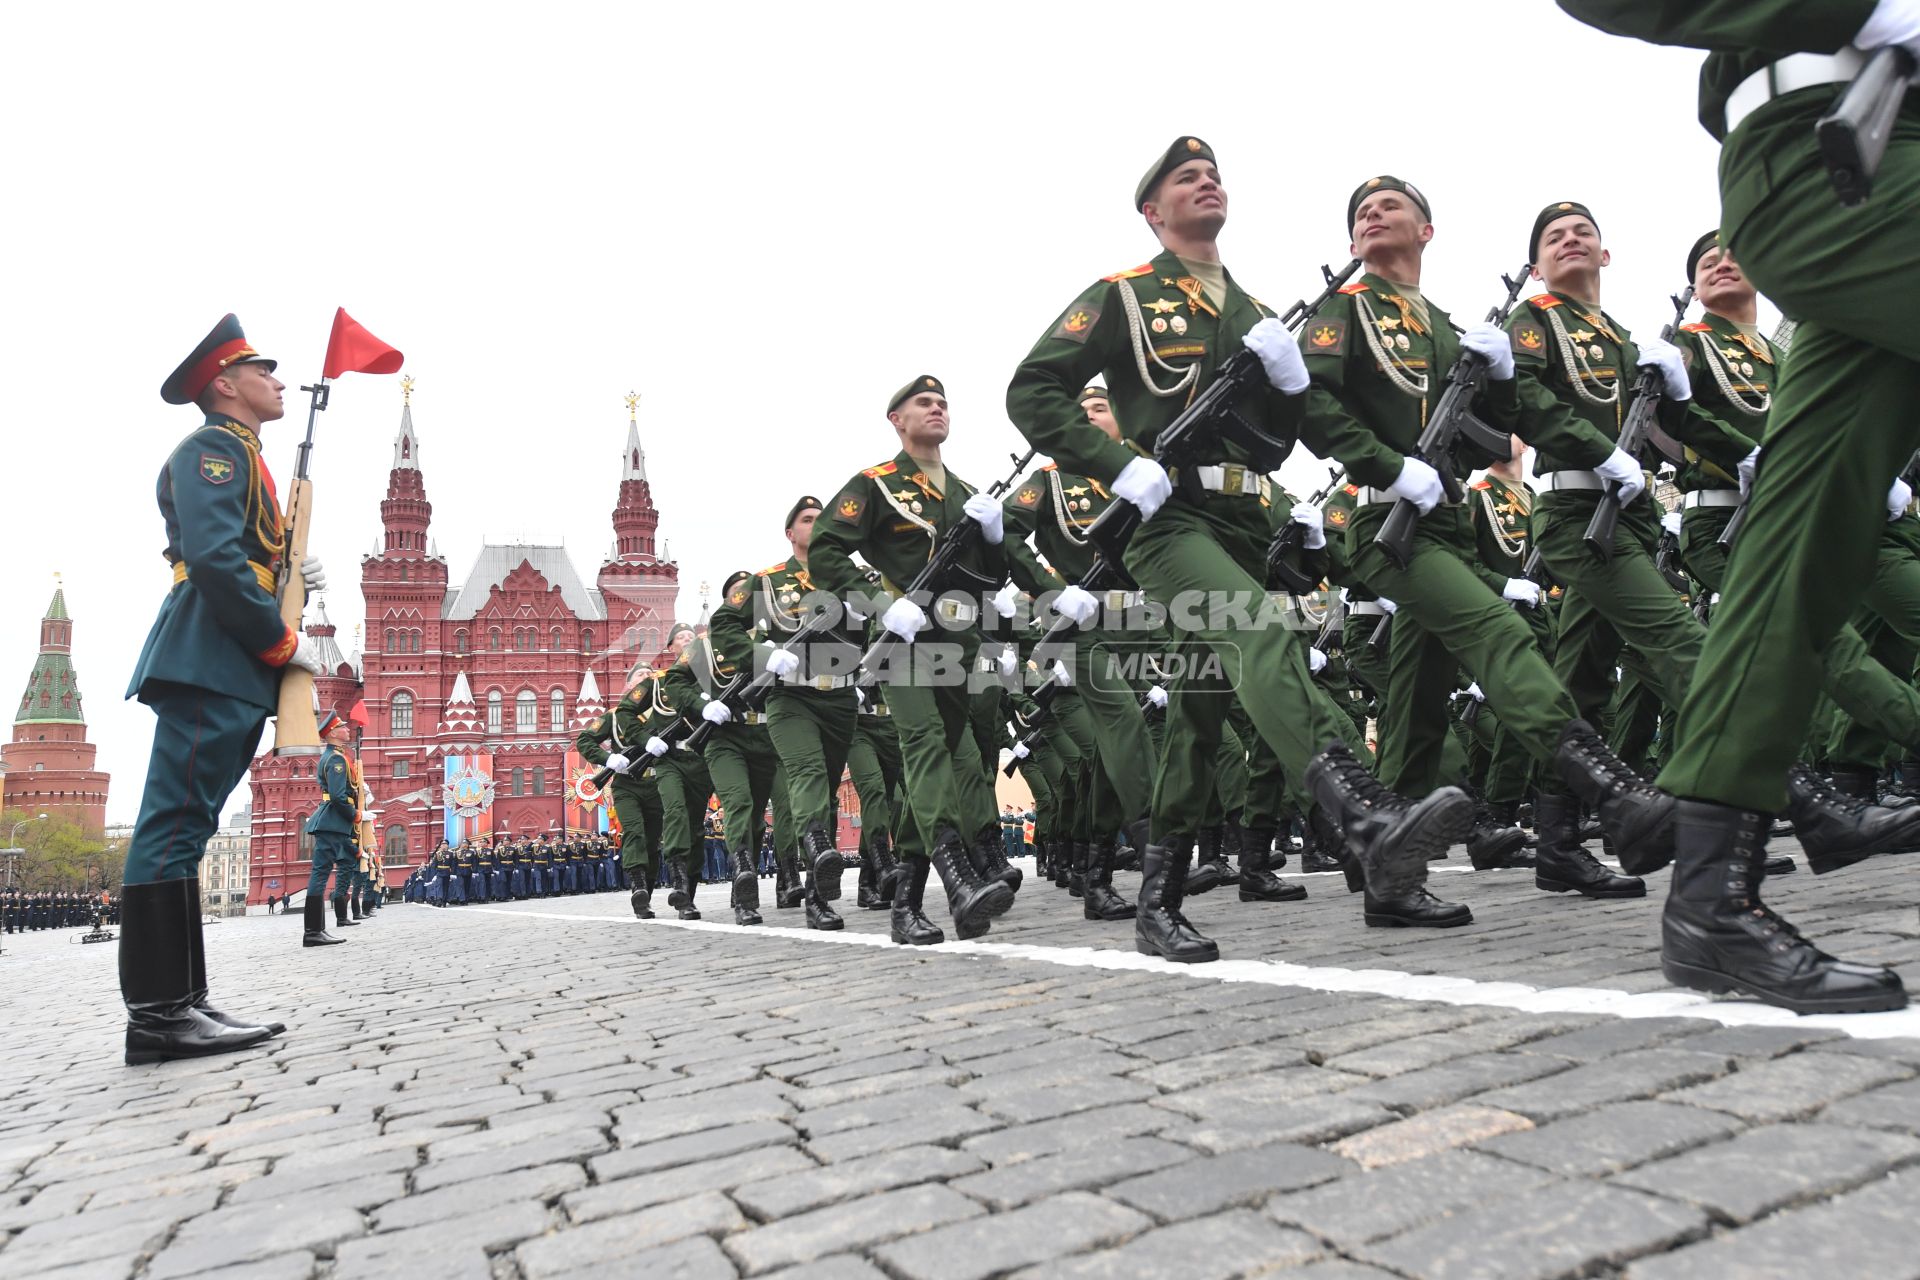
510, 660
49, 763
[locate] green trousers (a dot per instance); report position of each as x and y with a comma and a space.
1842, 426
1636, 716
636, 802
812, 733
873, 762
987, 720
932, 713
1110, 698
684, 786
745, 770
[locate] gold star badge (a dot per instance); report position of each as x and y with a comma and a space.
1076, 491
1163, 306
1388, 323
1731, 353
905, 495
1581, 335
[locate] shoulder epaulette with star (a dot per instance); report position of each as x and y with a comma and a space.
770, 570
1483, 484
884, 469
1698, 326
1144, 269
1359, 286
1353, 490
1544, 301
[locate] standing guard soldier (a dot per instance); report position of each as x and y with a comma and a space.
335, 827
210, 670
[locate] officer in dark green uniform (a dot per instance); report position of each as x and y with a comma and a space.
333, 825
211, 672
684, 692
893, 515
810, 713
1841, 427
634, 790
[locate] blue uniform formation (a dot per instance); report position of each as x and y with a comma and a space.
482, 871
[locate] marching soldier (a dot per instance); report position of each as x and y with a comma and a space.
210, 670
333, 826
682, 693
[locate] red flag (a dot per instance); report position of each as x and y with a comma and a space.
351, 349
359, 713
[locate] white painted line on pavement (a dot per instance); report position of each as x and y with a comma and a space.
1437, 988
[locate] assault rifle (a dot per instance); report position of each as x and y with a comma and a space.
1649, 390
1535, 570
1289, 539
1451, 424
1853, 136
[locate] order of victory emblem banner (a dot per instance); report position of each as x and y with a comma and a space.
468, 796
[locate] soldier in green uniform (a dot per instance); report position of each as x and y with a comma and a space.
683, 693
810, 713
333, 825
893, 515
1376, 353
1840, 428
634, 791
873, 764
1158, 333
210, 670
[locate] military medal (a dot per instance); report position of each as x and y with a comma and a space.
1746, 370
1159, 324
1179, 324
1595, 353
915, 507
1401, 341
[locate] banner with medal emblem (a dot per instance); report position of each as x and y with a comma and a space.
468, 797
587, 808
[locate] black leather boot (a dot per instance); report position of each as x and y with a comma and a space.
819, 915
823, 863
1257, 881
973, 903
1507, 814
1322, 850
1127, 856
1100, 901
157, 978
1857, 780
887, 870
745, 888
1492, 844
1716, 934
1230, 851
1563, 863
1636, 816
1078, 852
1839, 830
1160, 929
316, 921
353, 905
1062, 863
680, 895
1205, 876
340, 920
1389, 835
910, 926
642, 895
990, 859
197, 957
865, 895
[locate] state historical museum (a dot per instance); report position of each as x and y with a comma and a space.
507, 663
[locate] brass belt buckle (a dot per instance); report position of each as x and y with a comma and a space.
1233, 478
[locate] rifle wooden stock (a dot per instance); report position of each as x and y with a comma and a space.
1853, 136
296, 731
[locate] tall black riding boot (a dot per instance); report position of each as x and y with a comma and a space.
1160, 929
353, 905
1100, 901
823, 864
198, 959
1838, 830
1636, 816
316, 920
745, 888
1205, 876
157, 978
340, 920
1716, 934
1388, 839
1257, 881
910, 926
1563, 863
973, 902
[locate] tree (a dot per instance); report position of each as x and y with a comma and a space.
59, 853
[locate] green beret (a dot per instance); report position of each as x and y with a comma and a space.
1182, 150
1559, 209
1711, 240
925, 382
793, 512
1095, 392
1386, 182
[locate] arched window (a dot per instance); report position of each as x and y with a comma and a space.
493, 711
539, 781
393, 849
586, 640
518, 787
306, 841
403, 571
401, 714
558, 638
460, 640
391, 641
493, 639
526, 712
557, 710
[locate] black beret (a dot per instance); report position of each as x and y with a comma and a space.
1553, 212
1182, 150
793, 512
1711, 240
925, 382
1386, 182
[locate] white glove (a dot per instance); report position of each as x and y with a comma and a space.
860, 695
1491, 343
1316, 660
1021, 751
852, 612
1664, 356
1314, 522
716, 713
657, 747
306, 654
1892, 22
904, 618
1748, 465
1522, 591
1006, 602
1897, 499
1157, 694
783, 662
1144, 483
1076, 604
1419, 484
1473, 691
1062, 676
1009, 661
619, 763
313, 575
1671, 523
984, 510
1625, 472
1389, 606
1279, 353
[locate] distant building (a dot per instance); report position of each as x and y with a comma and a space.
223, 872
49, 763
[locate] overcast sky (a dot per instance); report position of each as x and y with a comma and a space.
763, 218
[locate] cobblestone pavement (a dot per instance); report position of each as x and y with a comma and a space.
554, 1089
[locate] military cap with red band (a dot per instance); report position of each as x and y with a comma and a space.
224, 346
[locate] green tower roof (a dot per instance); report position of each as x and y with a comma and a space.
53, 692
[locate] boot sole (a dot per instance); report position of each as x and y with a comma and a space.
1194, 957
826, 875
1433, 824
745, 922
1714, 982
918, 942
835, 927
1376, 920
147, 1057
314, 942
1560, 886
1111, 916
746, 890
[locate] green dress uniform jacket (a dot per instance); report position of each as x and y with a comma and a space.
893, 517
340, 801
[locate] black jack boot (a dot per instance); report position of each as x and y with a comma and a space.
745, 888
823, 864
1322, 849
680, 895
1080, 852
1563, 863
1839, 830
340, 920
990, 859
865, 896
197, 957
1100, 901
642, 895
887, 870
157, 978
1160, 929
316, 920
1257, 881
1127, 856
1857, 780
1717, 936
1636, 816
1061, 860
1390, 837
1230, 850
1205, 876
1507, 814
973, 902
910, 926
788, 892
819, 915
1492, 843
